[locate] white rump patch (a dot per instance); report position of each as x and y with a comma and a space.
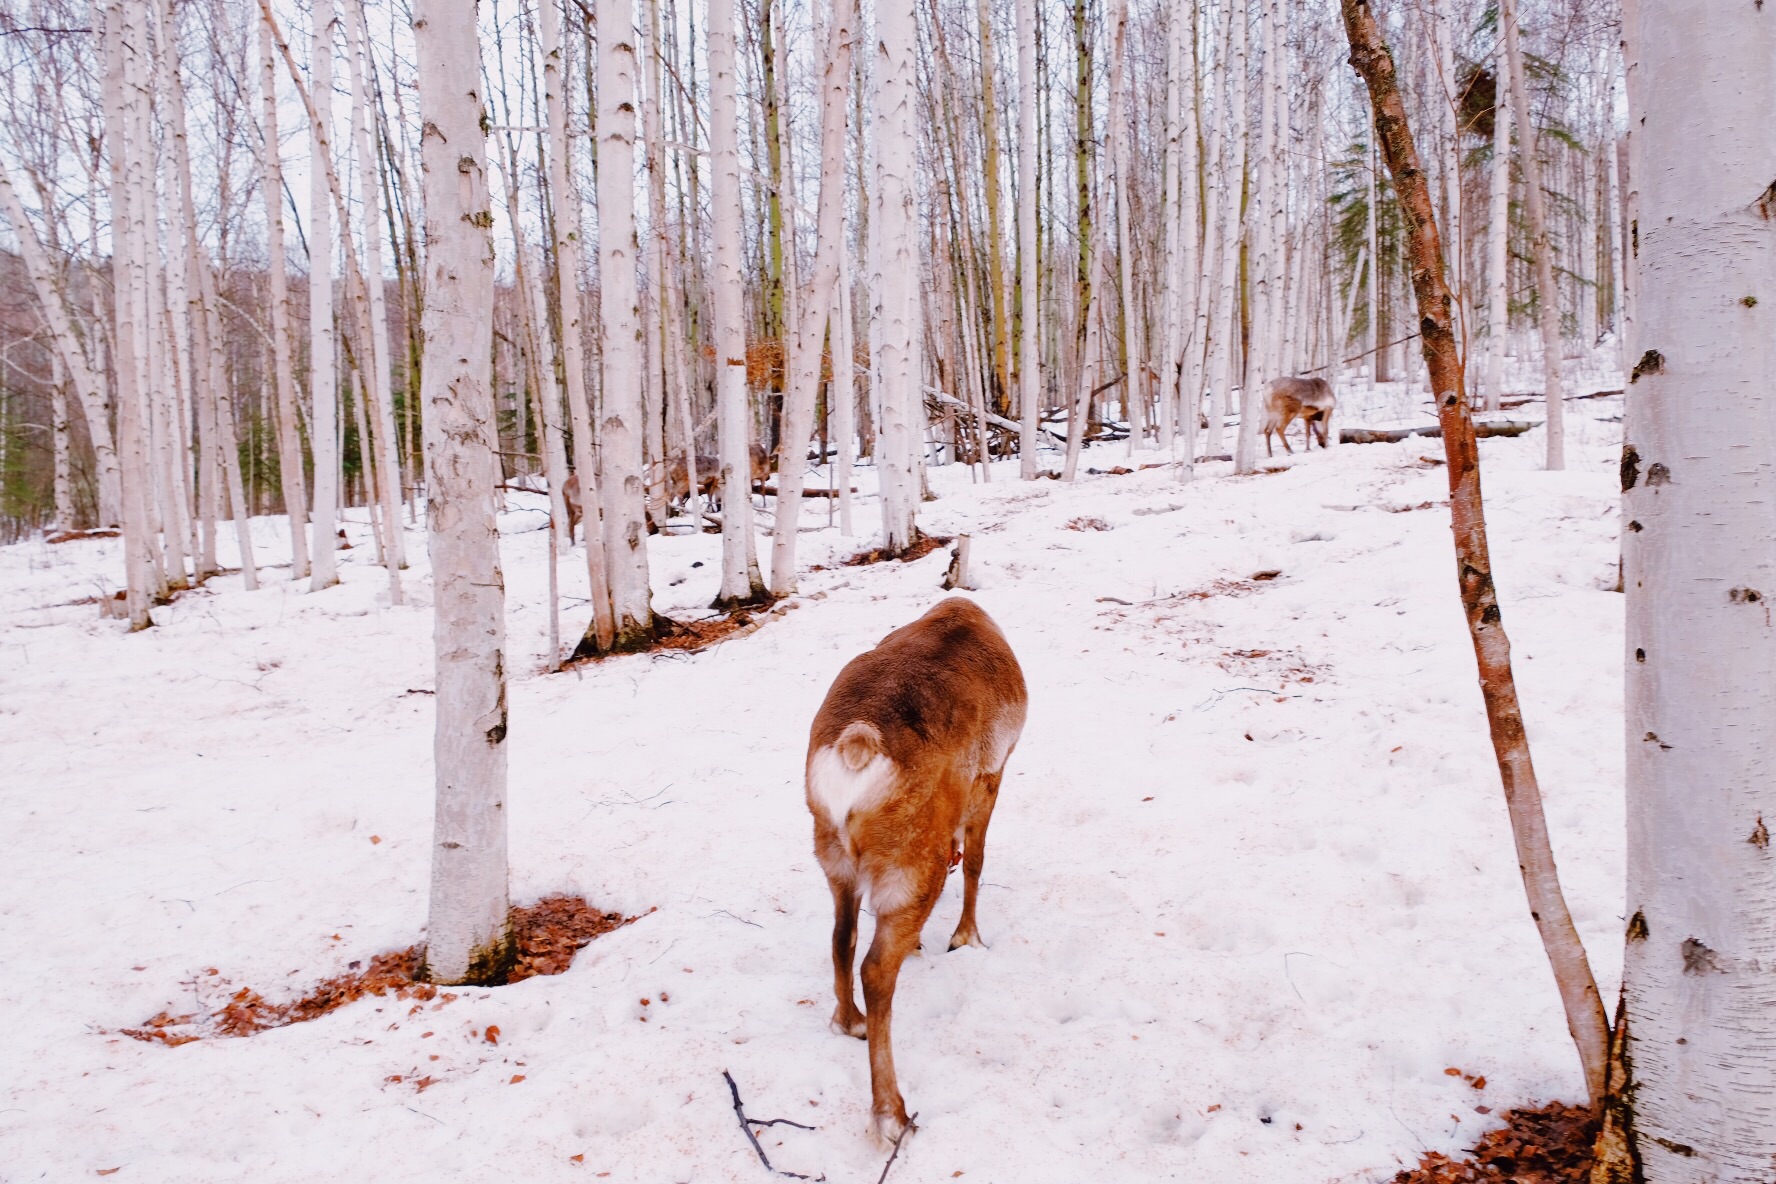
836, 789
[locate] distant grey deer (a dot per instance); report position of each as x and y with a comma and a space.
1309, 399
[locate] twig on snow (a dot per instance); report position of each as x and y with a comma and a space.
895, 1154
746, 1125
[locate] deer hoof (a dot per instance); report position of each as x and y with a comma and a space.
969, 938
852, 1026
890, 1129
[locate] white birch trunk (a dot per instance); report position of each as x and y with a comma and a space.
381, 389
1172, 281
271, 186
601, 630
894, 231
1498, 273
58, 428
814, 305
1029, 369
468, 936
1265, 195
122, 39
1700, 568
323, 385
741, 581
843, 395
1613, 197
1225, 325
620, 337
1135, 371
1374, 343
1547, 292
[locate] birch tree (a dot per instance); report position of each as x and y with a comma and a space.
1492, 648
814, 305
895, 286
323, 386
741, 582
601, 631
620, 336
1540, 247
1693, 1087
1029, 299
468, 936
271, 187
1498, 276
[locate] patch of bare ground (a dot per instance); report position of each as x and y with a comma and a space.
695, 636
548, 934
924, 545
1548, 1144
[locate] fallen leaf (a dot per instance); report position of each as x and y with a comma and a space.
580, 1158
107, 1171
375, 839
516, 1078
424, 1082
492, 1034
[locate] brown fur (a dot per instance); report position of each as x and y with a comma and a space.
1309, 399
943, 700
677, 480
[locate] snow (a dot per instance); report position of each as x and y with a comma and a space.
1249, 891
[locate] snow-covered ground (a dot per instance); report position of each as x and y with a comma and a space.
1249, 892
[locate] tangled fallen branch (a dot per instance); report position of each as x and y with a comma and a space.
746, 1125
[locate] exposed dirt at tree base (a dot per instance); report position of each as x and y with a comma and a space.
694, 636
1548, 1144
548, 934
924, 545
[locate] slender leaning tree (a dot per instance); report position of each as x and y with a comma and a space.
1693, 1091
469, 936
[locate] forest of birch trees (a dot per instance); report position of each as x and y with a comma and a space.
766, 235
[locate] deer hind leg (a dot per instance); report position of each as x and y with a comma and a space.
1283, 432
846, 1019
974, 853
897, 932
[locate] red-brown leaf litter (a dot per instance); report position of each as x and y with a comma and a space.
1548, 1144
548, 935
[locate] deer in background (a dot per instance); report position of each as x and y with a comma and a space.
904, 763
677, 481
1309, 399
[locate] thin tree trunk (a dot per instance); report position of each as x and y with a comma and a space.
1029, 300
842, 395
895, 287
1498, 274
1225, 325
620, 426
1540, 247
816, 302
142, 581
1692, 1095
1492, 649
600, 633
380, 385
468, 936
995, 224
741, 581
323, 388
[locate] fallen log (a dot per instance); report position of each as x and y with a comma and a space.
1492, 427
771, 491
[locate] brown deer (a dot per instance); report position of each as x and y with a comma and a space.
678, 483
1309, 399
904, 762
